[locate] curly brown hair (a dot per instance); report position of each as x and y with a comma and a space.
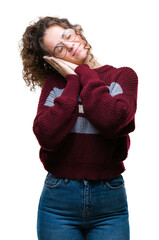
35, 68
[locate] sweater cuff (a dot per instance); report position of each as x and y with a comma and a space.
72, 88
86, 73
71, 77
81, 68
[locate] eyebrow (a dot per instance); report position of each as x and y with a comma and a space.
63, 32
61, 36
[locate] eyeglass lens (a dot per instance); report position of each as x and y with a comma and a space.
60, 50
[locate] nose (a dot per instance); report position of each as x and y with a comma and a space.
69, 45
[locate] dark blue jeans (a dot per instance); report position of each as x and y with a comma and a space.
71, 209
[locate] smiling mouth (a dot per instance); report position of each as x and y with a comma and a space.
76, 50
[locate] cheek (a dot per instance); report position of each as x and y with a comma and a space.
82, 55
84, 50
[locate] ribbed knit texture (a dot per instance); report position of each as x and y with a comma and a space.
83, 121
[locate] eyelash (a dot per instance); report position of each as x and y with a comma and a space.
68, 37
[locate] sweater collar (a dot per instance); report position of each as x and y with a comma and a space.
102, 68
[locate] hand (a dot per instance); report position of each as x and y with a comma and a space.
62, 66
70, 64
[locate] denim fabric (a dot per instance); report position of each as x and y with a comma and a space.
72, 209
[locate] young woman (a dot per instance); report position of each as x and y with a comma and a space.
85, 114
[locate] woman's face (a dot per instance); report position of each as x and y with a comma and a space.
53, 36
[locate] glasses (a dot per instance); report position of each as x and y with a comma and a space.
60, 50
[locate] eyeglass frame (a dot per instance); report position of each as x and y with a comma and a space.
60, 44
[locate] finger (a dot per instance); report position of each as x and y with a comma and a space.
51, 60
69, 64
60, 62
57, 64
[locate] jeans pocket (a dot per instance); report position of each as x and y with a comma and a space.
115, 183
52, 181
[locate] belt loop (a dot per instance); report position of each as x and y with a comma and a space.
66, 180
85, 182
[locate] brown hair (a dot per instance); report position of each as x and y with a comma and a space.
35, 68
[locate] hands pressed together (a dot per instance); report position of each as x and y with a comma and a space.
62, 66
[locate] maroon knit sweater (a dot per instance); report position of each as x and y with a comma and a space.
83, 121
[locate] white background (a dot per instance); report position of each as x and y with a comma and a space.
122, 33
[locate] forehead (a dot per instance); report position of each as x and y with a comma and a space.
53, 35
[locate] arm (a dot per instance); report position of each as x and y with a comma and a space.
112, 114
56, 116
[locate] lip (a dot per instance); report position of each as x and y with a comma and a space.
76, 49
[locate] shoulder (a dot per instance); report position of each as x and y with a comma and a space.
127, 71
123, 77
124, 73
121, 69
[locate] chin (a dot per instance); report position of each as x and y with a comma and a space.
84, 57
78, 61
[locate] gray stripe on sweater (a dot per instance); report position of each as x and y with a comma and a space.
82, 125
114, 89
56, 92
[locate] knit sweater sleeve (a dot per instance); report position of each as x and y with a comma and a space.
56, 116
112, 115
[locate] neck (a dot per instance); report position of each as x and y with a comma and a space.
93, 63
